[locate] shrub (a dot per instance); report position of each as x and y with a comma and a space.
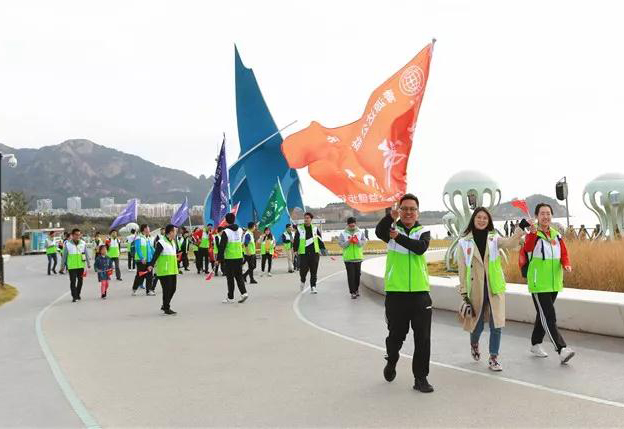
596, 265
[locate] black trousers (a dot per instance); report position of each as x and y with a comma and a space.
546, 320
184, 261
51, 257
267, 258
251, 266
233, 269
204, 262
131, 263
138, 280
296, 261
308, 262
197, 260
354, 270
75, 282
117, 270
402, 310
168, 284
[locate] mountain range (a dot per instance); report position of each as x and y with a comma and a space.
91, 171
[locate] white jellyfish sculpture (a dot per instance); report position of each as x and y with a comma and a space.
605, 197
464, 192
450, 223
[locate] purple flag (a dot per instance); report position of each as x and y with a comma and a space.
129, 214
221, 189
181, 215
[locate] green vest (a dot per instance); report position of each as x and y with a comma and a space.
234, 245
76, 255
263, 248
495, 275
50, 247
545, 273
353, 252
288, 246
251, 247
302, 239
405, 270
205, 240
113, 248
167, 262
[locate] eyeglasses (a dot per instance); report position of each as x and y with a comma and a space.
409, 209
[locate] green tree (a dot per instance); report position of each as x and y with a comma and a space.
15, 204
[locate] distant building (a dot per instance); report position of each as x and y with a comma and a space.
74, 204
44, 205
138, 201
106, 202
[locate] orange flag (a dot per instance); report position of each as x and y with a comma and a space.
364, 163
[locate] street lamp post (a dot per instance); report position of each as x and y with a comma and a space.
12, 161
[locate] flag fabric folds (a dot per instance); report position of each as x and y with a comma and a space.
129, 214
181, 215
522, 205
221, 188
365, 163
274, 208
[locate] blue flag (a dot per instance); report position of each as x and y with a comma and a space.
129, 214
221, 188
181, 215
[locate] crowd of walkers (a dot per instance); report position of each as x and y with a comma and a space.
228, 248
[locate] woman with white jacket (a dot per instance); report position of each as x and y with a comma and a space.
482, 282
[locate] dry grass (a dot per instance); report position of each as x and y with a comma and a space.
7, 293
14, 247
439, 269
597, 265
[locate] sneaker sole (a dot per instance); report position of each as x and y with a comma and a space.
567, 359
240, 301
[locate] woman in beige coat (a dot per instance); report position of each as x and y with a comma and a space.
478, 258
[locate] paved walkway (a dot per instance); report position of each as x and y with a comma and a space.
260, 363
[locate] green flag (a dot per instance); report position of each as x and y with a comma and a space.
274, 208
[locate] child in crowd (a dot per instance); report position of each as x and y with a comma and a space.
103, 267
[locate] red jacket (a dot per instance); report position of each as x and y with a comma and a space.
531, 241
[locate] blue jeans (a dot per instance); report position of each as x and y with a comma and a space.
495, 333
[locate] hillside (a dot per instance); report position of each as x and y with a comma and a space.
91, 171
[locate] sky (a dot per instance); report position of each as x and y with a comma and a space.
524, 91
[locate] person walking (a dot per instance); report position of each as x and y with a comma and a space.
97, 242
165, 262
267, 248
308, 242
249, 245
204, 246
103, 266
230, 255
506, 228
407, 289
144, 254
548, 258
195, 248
113, 252
75, 257
51, 250
184, 244
130, 250
482, 281
287, 245
352, 241
216, 238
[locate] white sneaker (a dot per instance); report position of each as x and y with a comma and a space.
134, 293
302, 286
313, 290
151, 293
566, 354
270, 275
538, 351
228, 301
494, 365
243, 298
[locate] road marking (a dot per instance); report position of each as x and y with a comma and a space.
68, 391
301, 317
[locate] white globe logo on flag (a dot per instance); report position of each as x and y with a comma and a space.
411, 82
